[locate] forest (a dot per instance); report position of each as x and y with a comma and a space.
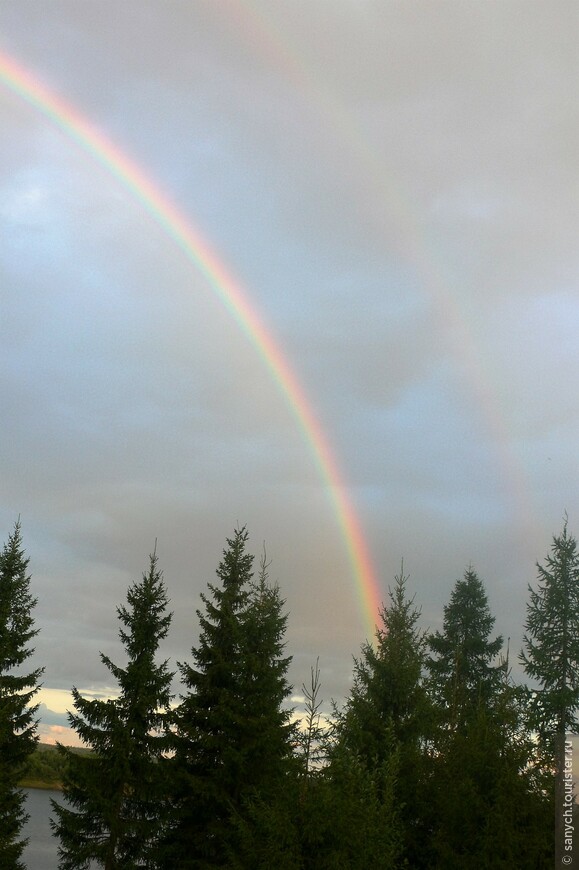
437, 759
46, 767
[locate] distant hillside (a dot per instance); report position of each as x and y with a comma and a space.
45, 767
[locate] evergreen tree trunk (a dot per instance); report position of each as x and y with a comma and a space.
559, 796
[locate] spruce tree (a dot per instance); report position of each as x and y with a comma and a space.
18, 727
117, 795
487, 808
387, 712
387, 696
267, 733
208, 758
232, 735
551, 642
551, 658
265, 834
463, 674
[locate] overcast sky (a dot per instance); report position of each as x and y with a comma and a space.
394, 186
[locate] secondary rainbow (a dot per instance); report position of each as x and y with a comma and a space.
262, 32
180, 228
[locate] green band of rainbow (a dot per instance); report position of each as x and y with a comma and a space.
198, 251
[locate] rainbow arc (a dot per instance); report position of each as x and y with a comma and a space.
199, 252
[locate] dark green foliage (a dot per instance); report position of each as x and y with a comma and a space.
209, 756
432, 764
267, 735
551, 641
268, 834
345, 819
118, 793
464, 682
551, 658
387, 714
388, 700
346, 814
487, 808
462, 673
517, 830
18, 725
322, 816
232, 736
349, 819
265, 731
45, 767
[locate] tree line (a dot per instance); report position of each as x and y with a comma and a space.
437, 759
44, 768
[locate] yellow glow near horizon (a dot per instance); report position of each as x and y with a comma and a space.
60, 700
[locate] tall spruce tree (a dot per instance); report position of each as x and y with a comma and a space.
232, 736
463, 672
551, 658
208, 762
486, 807
387, 697
551, 642
387, 712
265, 834
267, 731
118, 793
18, 727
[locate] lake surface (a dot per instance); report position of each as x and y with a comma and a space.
41, 853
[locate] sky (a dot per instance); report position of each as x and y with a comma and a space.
391, 192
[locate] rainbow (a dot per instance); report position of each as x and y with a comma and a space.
198, 251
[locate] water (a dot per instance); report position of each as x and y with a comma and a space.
41, 853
